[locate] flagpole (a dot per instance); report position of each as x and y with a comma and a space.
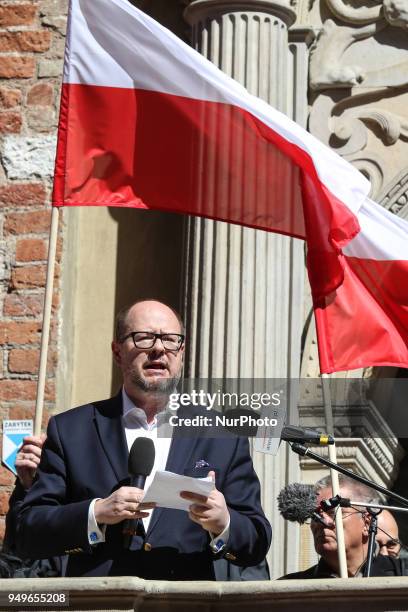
328, 411
45, 334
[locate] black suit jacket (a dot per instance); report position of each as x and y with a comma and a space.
382, 566
85, 456
55, 566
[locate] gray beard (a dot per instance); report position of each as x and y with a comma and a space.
159, 387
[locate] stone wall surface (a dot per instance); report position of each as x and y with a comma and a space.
31, 56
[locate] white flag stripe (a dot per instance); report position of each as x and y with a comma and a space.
106, 57
383, 236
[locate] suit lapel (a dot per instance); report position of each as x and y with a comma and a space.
109, 425
180, 452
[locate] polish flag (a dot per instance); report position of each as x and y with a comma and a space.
147, 122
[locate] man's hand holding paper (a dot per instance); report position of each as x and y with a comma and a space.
210, 511
166, 488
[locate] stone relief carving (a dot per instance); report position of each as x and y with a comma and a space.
326, 67
395, 195
353, 107
358, 13
395, 12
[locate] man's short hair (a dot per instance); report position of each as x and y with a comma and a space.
120, 319
360, 491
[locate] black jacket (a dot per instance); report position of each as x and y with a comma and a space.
382, 566
85, 457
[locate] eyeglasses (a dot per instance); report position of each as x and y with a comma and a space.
147, 340
331, 513
392, 545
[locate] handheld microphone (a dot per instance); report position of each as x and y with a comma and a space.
297, 502
291, 433
140, 465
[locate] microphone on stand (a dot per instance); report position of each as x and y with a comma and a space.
291, 433
244, 422
140, 465
297, 502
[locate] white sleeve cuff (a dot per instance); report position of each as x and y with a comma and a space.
95, 534
220, 541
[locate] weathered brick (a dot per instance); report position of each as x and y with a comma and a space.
22, 305
6, 477
18, 14
31, 249
20, 332
22, 390
22, 361
22, 194
2, 529
28, 277
27, 41
36, 222
9, 98
41, 94
10, 122
21, 413
14, 67
4, 502
42, 119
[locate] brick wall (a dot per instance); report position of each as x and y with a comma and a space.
31, 54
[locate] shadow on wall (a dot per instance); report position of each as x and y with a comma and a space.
168, 12
149, 260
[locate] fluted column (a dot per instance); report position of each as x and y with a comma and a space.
244, 287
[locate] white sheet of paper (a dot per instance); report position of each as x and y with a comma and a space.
165, 489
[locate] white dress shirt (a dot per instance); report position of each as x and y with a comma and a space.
136, 426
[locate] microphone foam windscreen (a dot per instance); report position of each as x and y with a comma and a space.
297, 502
141, 457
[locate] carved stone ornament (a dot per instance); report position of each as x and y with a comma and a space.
395, 195
364, 442
346, 123
327, 69
361, 12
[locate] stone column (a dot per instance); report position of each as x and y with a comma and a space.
244, 287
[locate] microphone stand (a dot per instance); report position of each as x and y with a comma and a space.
373, 510
303, 450
372, 532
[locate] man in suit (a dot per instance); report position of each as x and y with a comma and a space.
356, 533
82, 495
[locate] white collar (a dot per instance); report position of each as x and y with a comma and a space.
135, 417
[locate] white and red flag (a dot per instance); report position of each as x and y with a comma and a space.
147, 122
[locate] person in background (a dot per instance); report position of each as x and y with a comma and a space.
355, 523
387, 535
27, 461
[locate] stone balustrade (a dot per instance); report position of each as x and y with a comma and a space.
130, 593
